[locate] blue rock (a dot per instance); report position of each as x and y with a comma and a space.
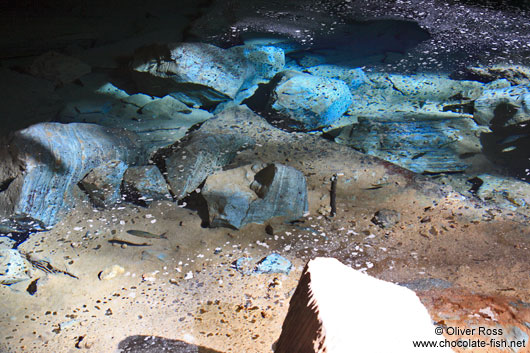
425, 284
158, 122
202, 72
145, 184
404, 142
354, 78
103, 183
267, 60
254, 194
243, 265
310, 102
54, 157
273, 263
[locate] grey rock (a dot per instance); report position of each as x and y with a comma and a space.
13, 267
386, 218
145, 184
53, 158
201, 155
503, 106
240, 196
102, 184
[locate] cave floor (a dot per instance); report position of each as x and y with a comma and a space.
183, 288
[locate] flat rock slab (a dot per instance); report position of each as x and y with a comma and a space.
337, 309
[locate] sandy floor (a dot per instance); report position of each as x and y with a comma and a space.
183, 288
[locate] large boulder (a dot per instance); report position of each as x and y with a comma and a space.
336, 309
503, 106
309, 102
43, 164
254, 194
202, 72
202, 154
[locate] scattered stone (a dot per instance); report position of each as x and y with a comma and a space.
309, 102
13, 267
111, 272
273, 263
200, 156
145, 184
386, 218
240, 196
344, 310
102, 184
58, 68
54, 158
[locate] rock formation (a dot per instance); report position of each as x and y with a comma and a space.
254, 194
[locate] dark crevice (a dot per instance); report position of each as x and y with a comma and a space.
5, 184
476, 183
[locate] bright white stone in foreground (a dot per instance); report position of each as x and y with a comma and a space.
336, 309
